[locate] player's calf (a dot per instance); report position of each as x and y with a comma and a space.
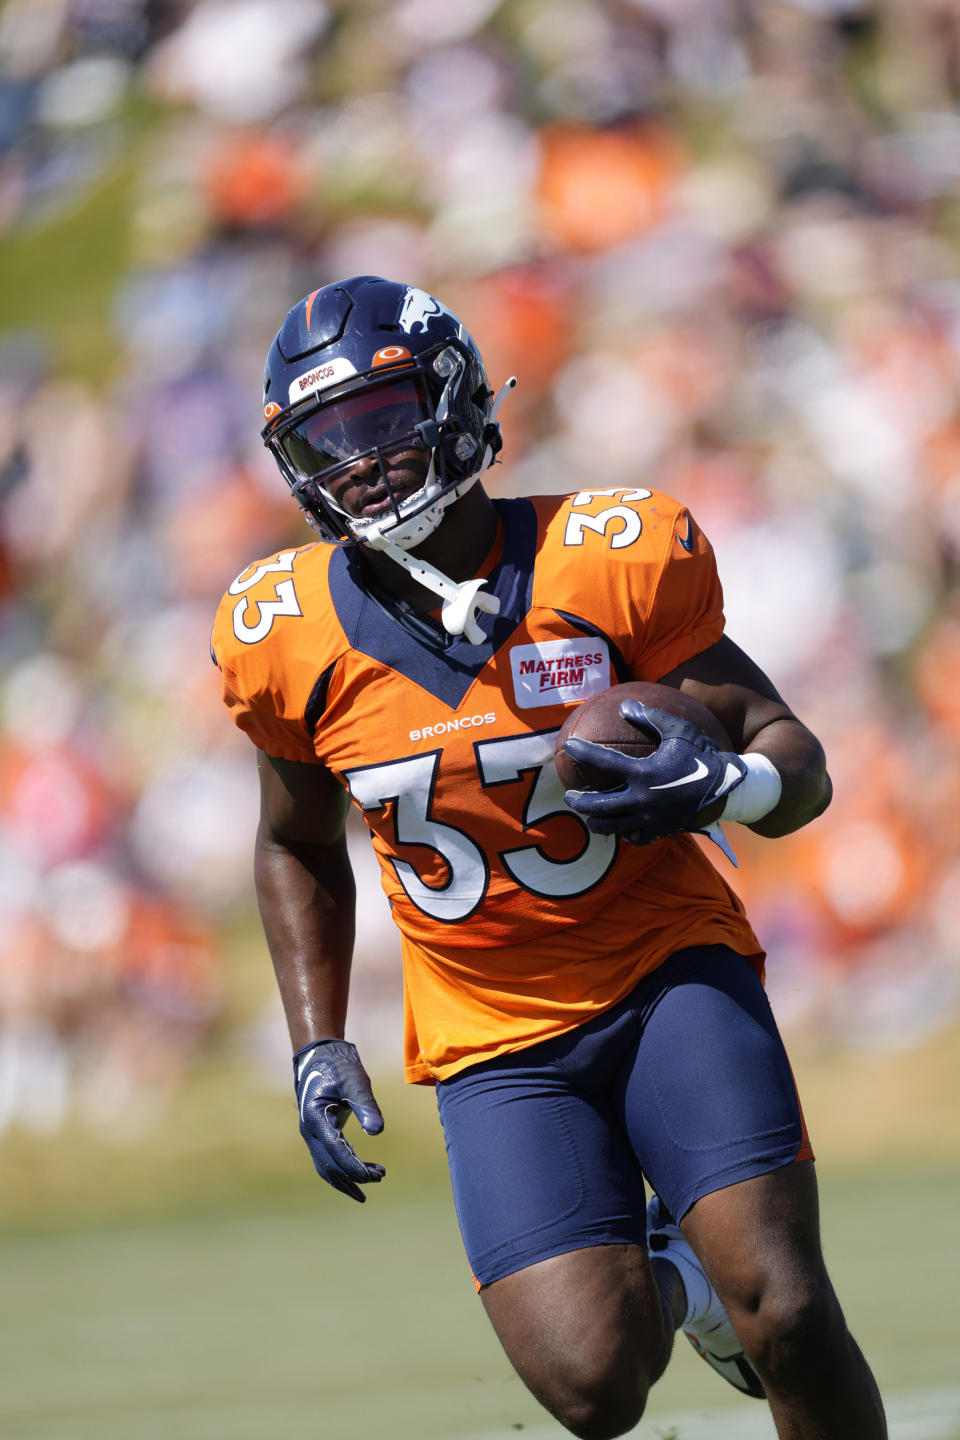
816, 1378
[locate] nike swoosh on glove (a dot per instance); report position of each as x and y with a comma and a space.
658, 794
331, 1082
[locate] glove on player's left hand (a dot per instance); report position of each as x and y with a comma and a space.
330, 1082
658, 794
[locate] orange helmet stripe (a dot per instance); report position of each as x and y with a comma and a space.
309, 303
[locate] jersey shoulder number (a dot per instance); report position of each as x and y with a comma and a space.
619, 520
268, 660
259, 604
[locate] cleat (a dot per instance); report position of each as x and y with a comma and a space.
706, 1324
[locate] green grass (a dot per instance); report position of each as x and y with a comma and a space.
201, 1282
316, 1316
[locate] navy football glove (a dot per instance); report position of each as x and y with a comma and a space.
330, 1082
658, 794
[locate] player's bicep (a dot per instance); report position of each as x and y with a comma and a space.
725, 679
300, 804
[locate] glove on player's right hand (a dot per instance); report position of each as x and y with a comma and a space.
330, 1082
658, 794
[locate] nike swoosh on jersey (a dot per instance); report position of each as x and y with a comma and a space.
697, 774
687, 540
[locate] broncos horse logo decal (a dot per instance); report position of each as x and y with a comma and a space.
418, 309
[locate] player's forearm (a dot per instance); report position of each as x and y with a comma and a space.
806, 789
307, 906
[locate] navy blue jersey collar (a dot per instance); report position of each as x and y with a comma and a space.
445, 666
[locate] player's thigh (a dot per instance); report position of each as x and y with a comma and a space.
708, 1098
551, 1205
539, 1163
760, 1234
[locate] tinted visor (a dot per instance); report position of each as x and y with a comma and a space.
379, 417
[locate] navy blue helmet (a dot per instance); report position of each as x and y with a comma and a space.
367, 366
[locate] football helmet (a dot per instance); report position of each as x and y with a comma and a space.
366, 367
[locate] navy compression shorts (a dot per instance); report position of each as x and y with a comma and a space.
685, 1081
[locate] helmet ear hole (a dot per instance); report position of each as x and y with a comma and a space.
493, 436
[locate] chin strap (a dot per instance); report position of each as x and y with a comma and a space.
460, 602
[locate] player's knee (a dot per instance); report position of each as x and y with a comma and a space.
602, 1391
599, 1403
602, 1414
795, 1333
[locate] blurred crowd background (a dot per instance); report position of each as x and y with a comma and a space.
716, 240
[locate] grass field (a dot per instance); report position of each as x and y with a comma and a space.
202, 1283
307, 1314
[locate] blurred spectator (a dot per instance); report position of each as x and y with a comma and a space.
715, 241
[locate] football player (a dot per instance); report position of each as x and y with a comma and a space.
581, 985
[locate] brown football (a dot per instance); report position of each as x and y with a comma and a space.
599, 719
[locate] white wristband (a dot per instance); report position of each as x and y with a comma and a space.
758, 792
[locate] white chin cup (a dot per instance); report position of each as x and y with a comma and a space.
405, 534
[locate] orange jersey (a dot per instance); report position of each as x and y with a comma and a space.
517, 922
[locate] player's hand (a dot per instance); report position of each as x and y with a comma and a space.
330, 1083
658, 794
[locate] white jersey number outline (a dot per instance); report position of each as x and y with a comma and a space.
286, 602
632, 524
500, 762
410, 783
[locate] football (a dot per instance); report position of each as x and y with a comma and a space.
599, 719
